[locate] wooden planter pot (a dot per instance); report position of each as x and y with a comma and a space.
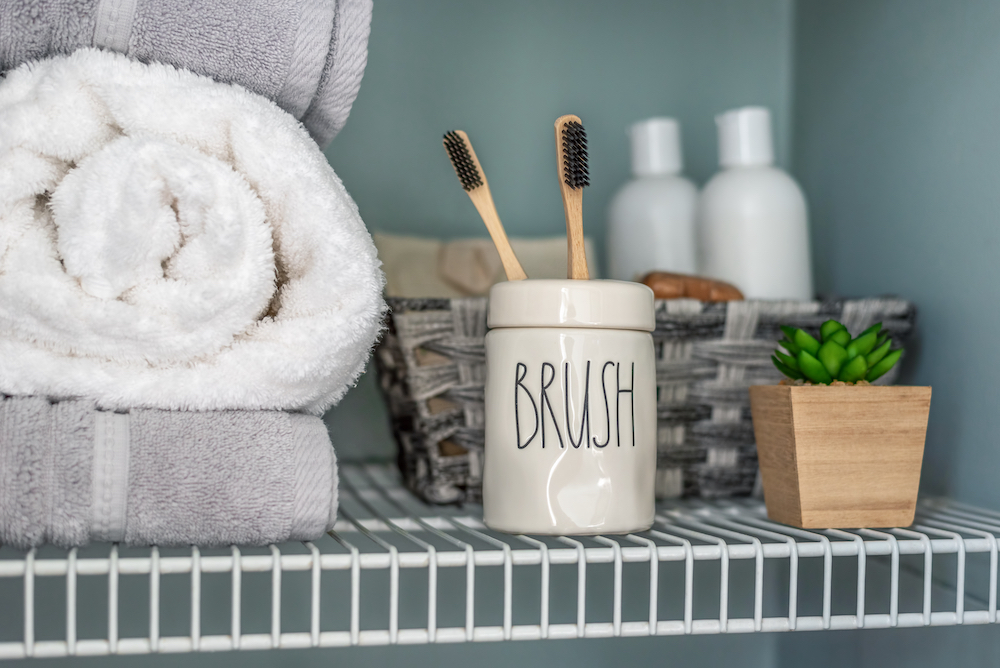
840, 457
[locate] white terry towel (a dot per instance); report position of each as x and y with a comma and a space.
167, 241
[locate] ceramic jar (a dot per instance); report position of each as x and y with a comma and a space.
570, 407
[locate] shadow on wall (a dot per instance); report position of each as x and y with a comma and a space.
689, 651
359, 426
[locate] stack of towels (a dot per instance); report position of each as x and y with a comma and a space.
185, 285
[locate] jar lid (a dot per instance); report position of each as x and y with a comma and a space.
601, 304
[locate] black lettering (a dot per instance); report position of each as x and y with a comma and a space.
618, 400
585, 418
519, 375
607, 408
544, 401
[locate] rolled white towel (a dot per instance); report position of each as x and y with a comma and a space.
167, 241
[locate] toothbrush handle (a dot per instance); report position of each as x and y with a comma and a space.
483, 200
573, 206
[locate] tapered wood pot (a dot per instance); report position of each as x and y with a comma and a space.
840, 457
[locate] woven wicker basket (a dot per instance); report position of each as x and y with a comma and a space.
432, 369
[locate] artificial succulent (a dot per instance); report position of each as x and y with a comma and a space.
836, 356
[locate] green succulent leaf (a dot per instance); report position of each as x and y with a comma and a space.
875, 356
791, 373
789, 346
877, 327
787, 360
788, 331
829, 328
841, 337
833, 356
813, 369
806, 342
881, 340
854, 370
882, 367
863, 344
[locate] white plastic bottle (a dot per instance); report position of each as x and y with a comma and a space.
651, 220
753, 221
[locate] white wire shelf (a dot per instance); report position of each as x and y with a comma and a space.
398, 571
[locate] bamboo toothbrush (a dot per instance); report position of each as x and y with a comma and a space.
571, 152
471, 176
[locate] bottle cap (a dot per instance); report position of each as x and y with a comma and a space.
745, 137
656, 147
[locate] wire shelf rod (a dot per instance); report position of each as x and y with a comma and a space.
382, 529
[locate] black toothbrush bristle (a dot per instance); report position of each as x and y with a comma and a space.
461, 160
575, 172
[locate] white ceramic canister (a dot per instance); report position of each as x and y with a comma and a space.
570, 407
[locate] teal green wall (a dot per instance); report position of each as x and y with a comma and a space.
897, 145
504, 71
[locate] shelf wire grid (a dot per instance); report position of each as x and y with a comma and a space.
624, 585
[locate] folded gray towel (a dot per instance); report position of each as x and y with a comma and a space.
306, 55
70, 474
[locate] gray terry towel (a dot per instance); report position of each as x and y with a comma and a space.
306, 55
70, 474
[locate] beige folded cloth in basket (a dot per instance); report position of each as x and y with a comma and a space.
417, 267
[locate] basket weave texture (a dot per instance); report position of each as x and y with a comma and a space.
432, 371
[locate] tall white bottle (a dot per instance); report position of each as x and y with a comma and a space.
753, 221
651, 220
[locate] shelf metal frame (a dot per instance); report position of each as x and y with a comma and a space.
384, 528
